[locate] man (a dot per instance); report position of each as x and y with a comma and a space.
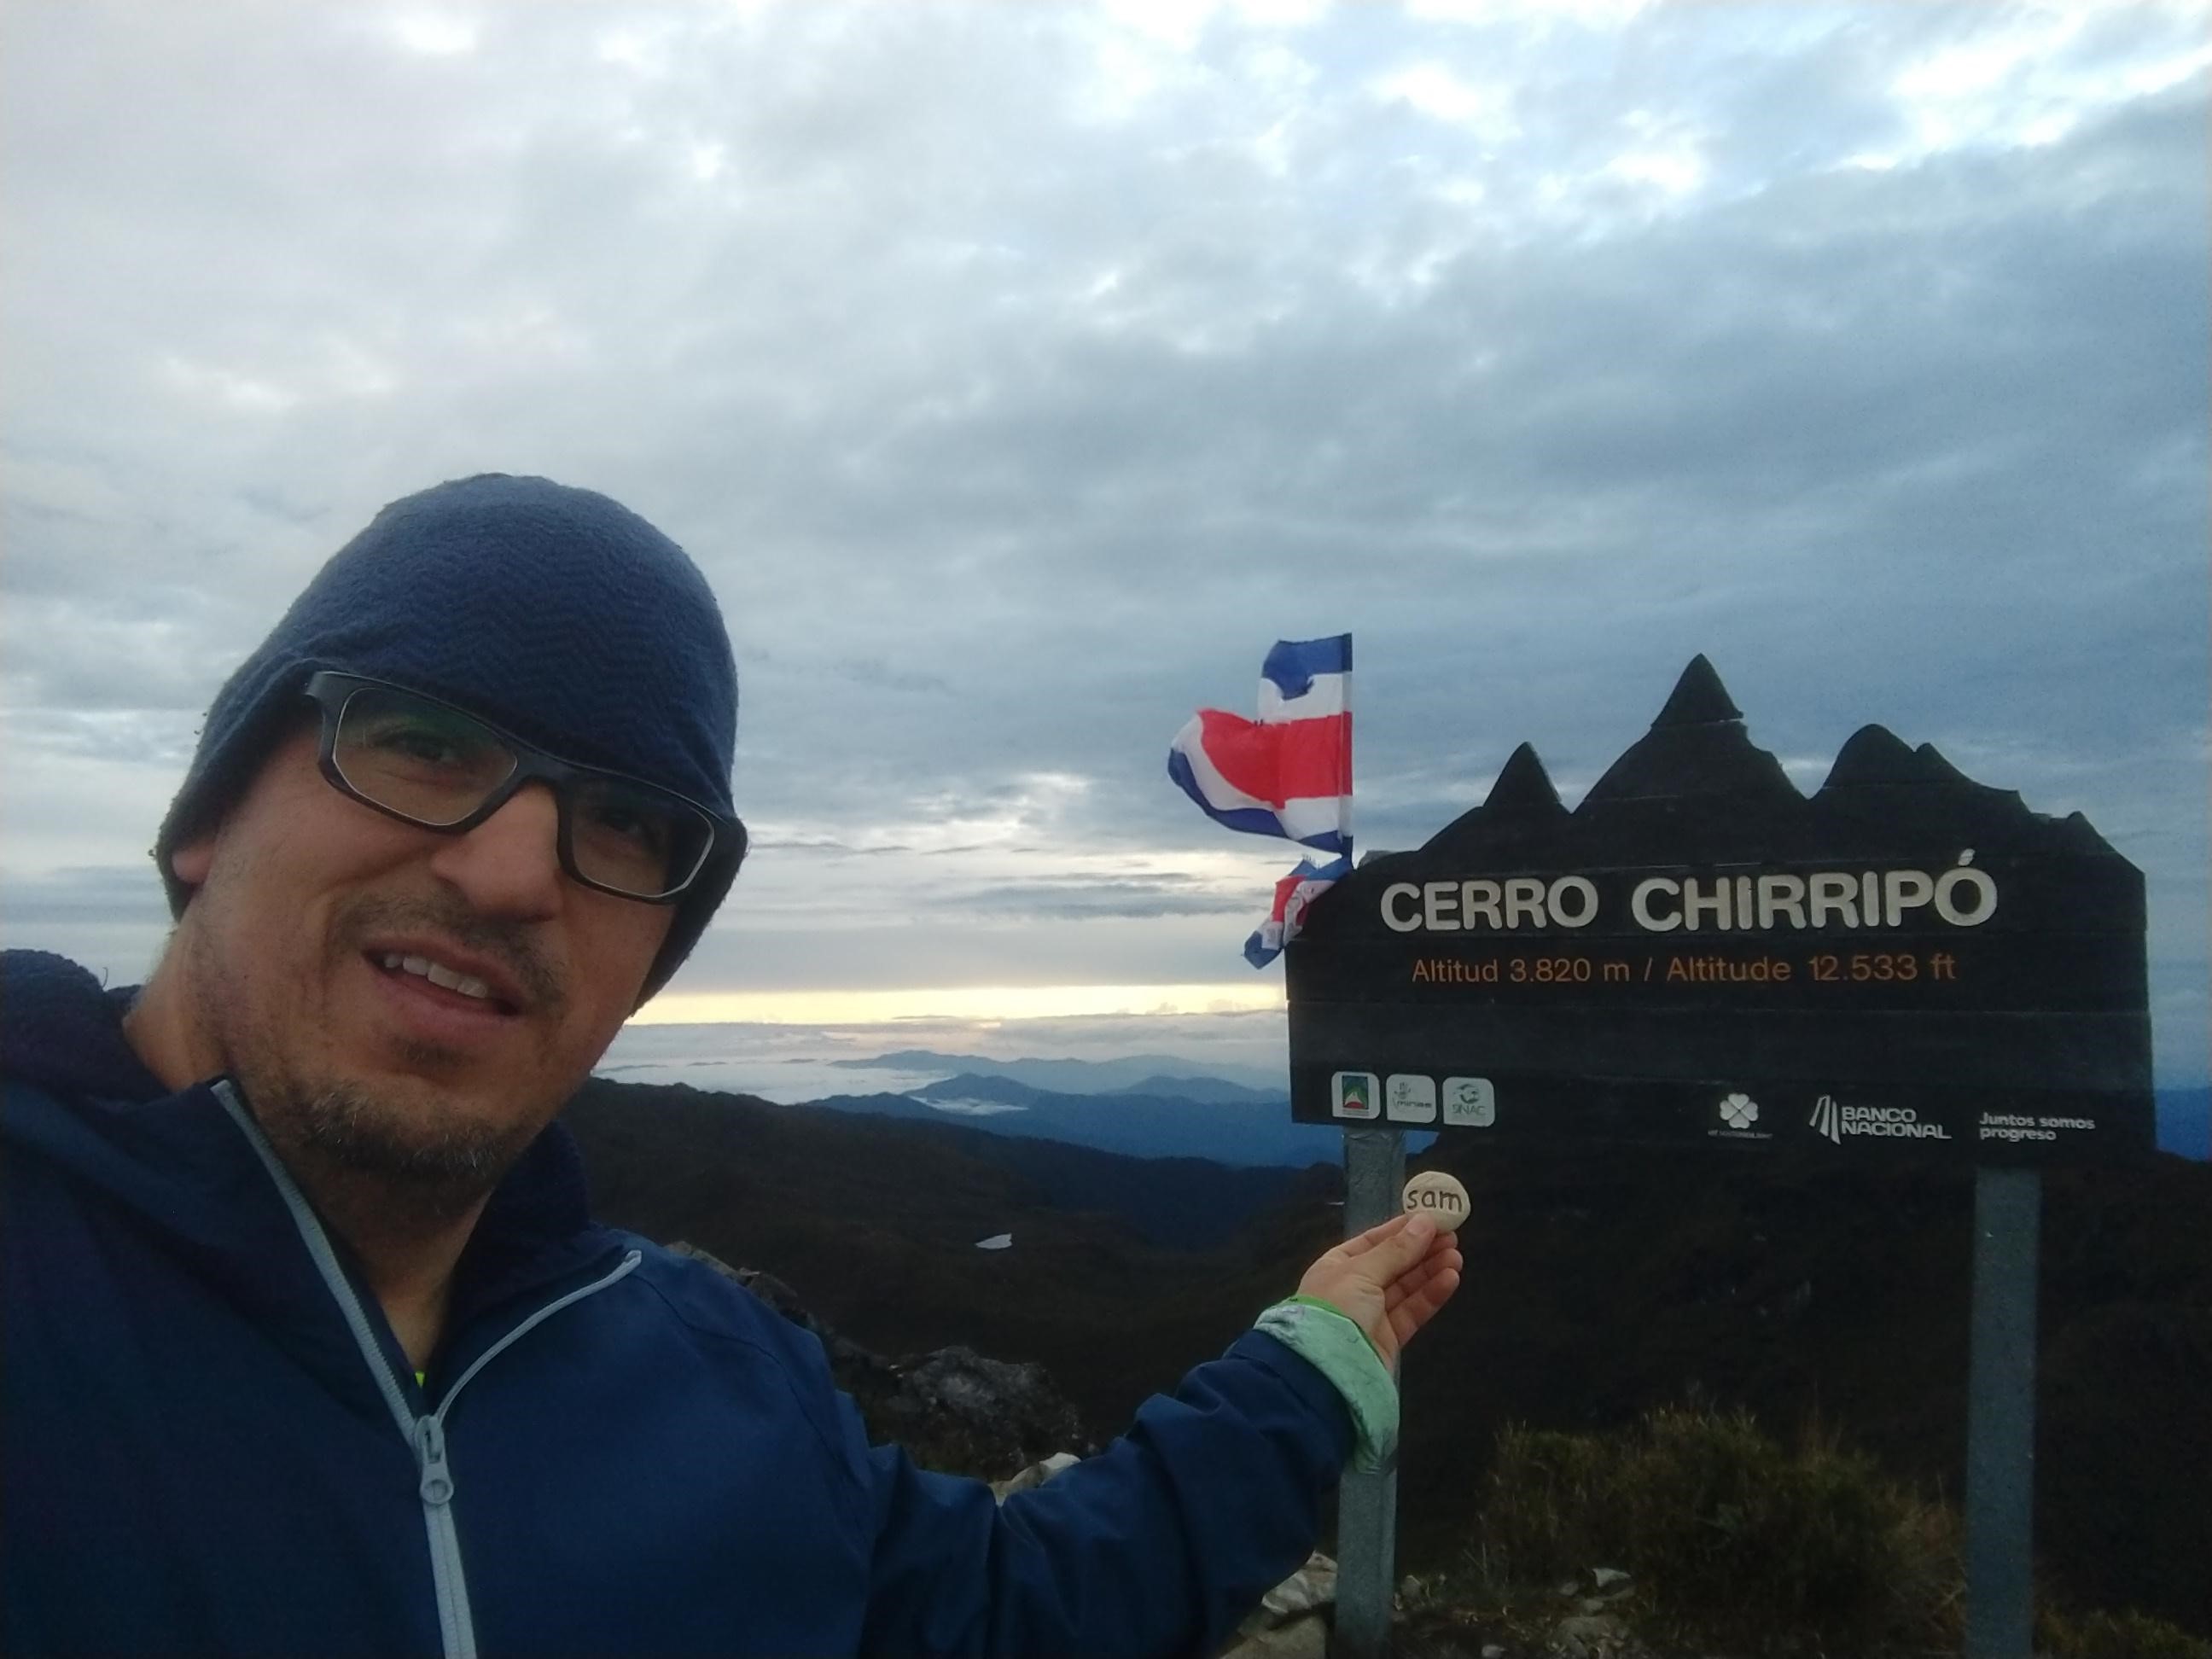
312, 1347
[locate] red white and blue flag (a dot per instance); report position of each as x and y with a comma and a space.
1292, 894
1288, 773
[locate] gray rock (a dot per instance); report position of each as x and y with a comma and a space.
1308, 1590
1291, 1621
953, 1410
1607, 1577
1589, 1636
1033, 1476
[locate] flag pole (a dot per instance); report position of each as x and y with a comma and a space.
1278, 775
1367, 1502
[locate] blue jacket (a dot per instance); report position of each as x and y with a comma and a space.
212, 1443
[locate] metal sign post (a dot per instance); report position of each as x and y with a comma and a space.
1367, 1504
2000, 1416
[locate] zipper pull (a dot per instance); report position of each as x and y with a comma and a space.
437, 1486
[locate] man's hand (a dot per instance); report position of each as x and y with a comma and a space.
1390, 1279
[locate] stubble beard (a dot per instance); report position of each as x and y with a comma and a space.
360, 1136
396, 1153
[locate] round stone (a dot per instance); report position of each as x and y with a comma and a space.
1437, 1196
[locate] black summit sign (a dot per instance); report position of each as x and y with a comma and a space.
1907, 961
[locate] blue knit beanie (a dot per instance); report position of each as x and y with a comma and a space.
554, 613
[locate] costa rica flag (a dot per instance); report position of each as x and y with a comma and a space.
1292, 894
1288, 773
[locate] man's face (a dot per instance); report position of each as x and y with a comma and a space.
314, 948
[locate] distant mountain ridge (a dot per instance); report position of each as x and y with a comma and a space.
1200, 1090
1208, 1091
979, 1086
1128, 1072
1255, 1133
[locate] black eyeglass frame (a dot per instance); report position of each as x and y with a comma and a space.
331, 691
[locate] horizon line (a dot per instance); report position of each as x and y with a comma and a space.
974, 1003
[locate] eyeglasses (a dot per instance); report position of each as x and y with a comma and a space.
429, 764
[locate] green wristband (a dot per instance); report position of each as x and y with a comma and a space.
1333, 1343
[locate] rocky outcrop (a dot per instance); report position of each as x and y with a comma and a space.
1592, 1616
952, 1409
957, 1411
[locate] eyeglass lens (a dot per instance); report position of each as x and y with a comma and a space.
436, 766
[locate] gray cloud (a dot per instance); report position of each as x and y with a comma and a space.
1065, 901
1018, 375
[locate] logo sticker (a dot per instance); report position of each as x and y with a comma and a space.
1355, 1094
1410, 1099
1836, 1121
1470, 1101
1737, 1111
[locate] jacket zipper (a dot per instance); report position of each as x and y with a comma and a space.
426, 1434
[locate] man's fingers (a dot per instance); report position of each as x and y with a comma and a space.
1421, 1305
1420, 1274
1361, 1243
1390, 1279
1396, 1246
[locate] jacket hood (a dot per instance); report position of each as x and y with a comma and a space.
61, 1028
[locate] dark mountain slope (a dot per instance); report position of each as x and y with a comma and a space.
1595, 1288
875, 1220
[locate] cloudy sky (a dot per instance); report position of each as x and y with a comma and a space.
1018, 371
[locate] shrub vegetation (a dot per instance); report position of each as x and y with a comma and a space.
1732, 1540
1730, 1536
2116, 1636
